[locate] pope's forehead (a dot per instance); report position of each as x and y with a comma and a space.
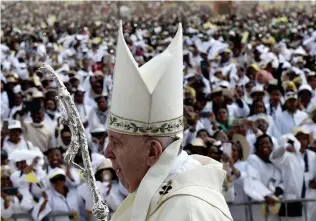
122, 136
116, 135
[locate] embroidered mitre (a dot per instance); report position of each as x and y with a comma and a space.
148, 100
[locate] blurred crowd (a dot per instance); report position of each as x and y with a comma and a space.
249, 102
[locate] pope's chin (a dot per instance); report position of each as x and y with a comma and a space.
123, 180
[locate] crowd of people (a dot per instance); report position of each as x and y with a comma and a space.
249, 102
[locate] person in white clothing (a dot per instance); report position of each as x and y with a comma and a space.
98, 115
14, 201
58, 199
261, 123
239, 173
54, 157
4, 100
288, 159
309, 157
258, 108
29, 173
274, 106
264, 183
82, 107
15, 140
291, 117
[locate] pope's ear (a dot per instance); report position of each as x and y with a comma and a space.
155, 150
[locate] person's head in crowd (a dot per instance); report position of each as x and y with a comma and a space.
189, 95
97, 87
192, 119
105, 172
74, 82
222, 115
15, 131
51, 94
106, 69
252, 71
262, 123
5, 177
219, 74
274, 93
102, 103
87, 63
239, 90
65, 137
79, 95
18, 99
198, 147
203, 134
249, 86
241, 71
57, 178
50, 105
291, 102
311, 79
305, 94
303, 136
201, 101
239, 126
237, 151
21, 165
217, 96
37, 116
199, 85
257, 93
257, 107
214, 151
225, 55
221, 136
98, 133
4, 158
54, 157
263, 147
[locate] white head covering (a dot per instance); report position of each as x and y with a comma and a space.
153, 92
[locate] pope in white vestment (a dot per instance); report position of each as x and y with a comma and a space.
145, 125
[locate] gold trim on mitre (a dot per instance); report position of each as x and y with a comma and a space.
133, 127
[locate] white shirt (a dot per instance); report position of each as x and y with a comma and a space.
69, 183
13, 110
9, 146
4, 105
58, 203
292, 169
285, 122
84, 111
18, 179
17, 207
94, 118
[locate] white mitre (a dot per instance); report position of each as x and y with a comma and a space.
148, 100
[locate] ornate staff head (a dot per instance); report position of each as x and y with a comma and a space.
71, 118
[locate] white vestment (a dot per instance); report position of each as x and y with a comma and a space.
195, 193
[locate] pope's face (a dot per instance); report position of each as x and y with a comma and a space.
128, 154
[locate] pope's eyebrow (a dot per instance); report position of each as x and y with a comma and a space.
114, 138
